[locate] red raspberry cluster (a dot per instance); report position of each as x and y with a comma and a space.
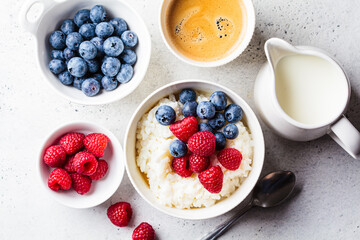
76, 161
120, 214
201, 146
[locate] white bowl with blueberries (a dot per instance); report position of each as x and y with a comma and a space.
221, 125
90, 52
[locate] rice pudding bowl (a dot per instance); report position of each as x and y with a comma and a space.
154, 161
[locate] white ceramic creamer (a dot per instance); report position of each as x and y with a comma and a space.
302, 94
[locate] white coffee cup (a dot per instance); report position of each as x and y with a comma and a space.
250, 15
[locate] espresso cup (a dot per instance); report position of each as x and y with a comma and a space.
238, 48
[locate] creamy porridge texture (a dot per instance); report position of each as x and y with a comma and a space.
154, 160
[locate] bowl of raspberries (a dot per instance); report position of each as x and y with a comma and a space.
80, 164
92, 53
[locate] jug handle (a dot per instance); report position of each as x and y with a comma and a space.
32, 26
347, 136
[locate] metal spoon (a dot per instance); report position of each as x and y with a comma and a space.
270, 191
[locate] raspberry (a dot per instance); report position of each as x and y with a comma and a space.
72, 142
80, 183
197, 163
59, 179
143, 232
85, 163
55, 156
185, 128
212, 179
69, 166
96, 143
181, 166
202, 143
100, 170
230, 158
120, 214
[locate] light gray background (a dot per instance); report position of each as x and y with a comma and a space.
327, 207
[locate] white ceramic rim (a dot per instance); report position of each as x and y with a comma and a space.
115, 142
312, 51
251, 18
140, 74
260, 152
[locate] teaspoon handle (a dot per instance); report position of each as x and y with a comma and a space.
221, 229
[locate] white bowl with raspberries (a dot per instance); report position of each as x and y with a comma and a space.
52, 17
226, 204
81, 164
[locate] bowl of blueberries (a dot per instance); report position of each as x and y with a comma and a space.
90, 52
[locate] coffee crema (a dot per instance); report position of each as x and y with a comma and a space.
206, 30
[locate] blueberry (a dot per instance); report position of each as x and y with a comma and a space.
218, 121
119, 25
90, 87
77, 67
78, 82
109, 83
99, 44
68, 26
66, 78
231, 131
104, 30
165, 115
178, 148
81, 17
57, 40
129, 38
187, 95
189, 109
128, 56
233, 113
87, 50
57, 54
98, 77
113, 46
68, 53
73, 40
126, 73
220, 141
57, 66
98, 14
87, 30
93, 65
219, 100
205, 110
110, 66
205, 127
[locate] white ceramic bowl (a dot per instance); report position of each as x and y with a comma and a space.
226, 204
250, 27
54, 13
100, 190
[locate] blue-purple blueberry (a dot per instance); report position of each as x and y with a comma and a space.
57, 66
205, 110
110, 66
73, 40
104, 30
87, 50
57, 40
77, 67
109, 83
90, 87
129, 38
119, 25
189, 109
233, 113
99, 44
78, 82
205, 127
68, 26
66, 78
81, 17
93, 65
125, 74
128, 56
87, 30
187, 95
218, 121
165, 115
68, 53
57, 54
220, 141
178, 148
231, 131
113, 46
98, 14
219, 100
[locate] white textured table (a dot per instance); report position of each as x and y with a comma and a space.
327, 206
